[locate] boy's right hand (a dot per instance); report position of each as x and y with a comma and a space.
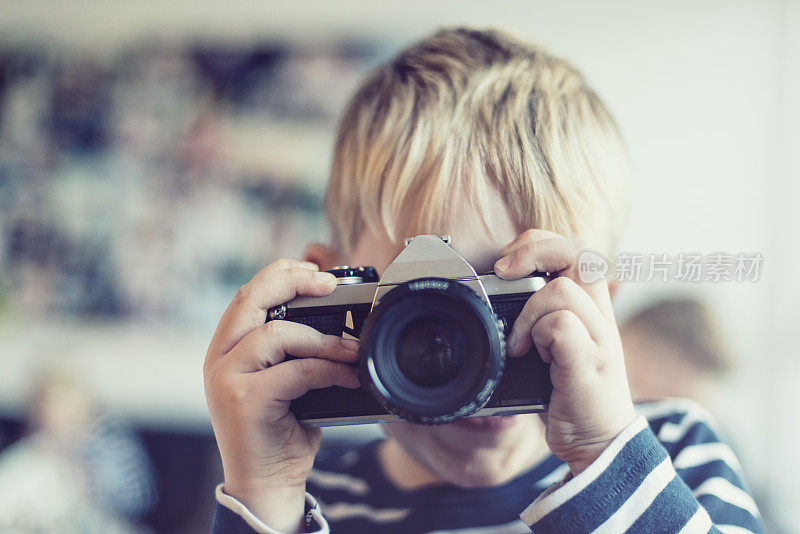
266, 453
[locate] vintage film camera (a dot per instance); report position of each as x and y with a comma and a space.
432, 336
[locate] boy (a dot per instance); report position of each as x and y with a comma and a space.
503, 147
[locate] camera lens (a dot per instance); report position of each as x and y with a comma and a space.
431, 351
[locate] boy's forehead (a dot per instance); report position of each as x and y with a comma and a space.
477, 236
379, 252
478, 241
478, 248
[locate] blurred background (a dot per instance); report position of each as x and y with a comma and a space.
153, 156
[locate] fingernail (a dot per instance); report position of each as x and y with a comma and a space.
324, 277
503, 263
350, 344
511, 341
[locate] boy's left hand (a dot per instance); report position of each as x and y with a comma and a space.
572, 326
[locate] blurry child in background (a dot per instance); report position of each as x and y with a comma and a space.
76, 471
673, 349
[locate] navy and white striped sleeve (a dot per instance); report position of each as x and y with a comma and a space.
233, 517
683, 480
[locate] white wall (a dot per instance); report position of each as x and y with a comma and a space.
707, 97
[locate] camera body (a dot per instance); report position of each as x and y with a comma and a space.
432, 341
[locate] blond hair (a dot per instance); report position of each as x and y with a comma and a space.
461, 112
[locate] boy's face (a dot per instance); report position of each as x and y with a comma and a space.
475, 451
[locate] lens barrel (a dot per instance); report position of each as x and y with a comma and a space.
432, 351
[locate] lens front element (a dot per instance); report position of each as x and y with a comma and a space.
432, 351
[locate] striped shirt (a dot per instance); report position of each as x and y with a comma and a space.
667, 472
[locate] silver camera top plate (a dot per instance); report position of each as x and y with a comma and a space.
424, 256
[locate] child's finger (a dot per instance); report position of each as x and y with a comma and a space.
559, 257
528, 236
268, 345
566, 341
268, 288
286, 263
295, 378
547, 256
559, 294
